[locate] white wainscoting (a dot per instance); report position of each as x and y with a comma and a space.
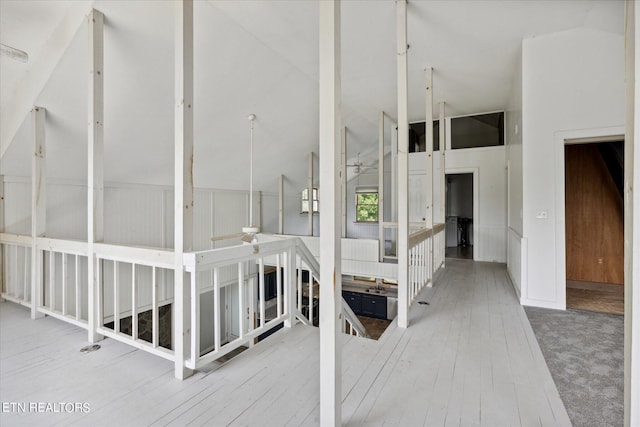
514, 260
359, 257
134, 214
492, 243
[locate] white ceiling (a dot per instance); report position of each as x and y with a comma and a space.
262, 57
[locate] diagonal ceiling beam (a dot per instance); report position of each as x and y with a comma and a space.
38, 71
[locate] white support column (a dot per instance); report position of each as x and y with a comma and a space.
259, 203
310, 195
2, 283
441, 138
381, 186
403, 165
443, 178
290, 287
343, 179
38, 205
428, 129
281, 204
330, 216
632, 219
95, 165
183, 175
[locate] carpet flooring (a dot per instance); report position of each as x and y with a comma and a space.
585, 354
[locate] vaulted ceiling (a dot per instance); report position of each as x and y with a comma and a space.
254, 57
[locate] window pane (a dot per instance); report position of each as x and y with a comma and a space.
484, 130
305, 206
367, 207
367, 213
417, 140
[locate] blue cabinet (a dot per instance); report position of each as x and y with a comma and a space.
354, 299
366, 305
374, 306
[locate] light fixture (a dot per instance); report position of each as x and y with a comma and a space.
13, 53
251, 230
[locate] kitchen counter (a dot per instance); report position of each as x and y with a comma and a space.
370, 288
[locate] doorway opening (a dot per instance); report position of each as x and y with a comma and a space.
459, 215
594, 226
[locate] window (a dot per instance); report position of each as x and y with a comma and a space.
483, 130
305, 200
366, 205
417, 138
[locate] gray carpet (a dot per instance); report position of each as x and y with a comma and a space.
585, 354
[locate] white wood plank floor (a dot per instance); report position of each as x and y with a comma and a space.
469, 358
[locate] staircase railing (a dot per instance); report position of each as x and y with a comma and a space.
134, 291
352, 324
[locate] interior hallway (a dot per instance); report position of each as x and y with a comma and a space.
468, 358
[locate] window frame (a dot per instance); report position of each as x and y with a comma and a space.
304, 197
367, 190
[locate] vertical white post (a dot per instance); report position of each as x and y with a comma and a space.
259, 220
310, 194
443, 194
343, 179
241, 300
381, 186
403, 165
2, 278
290, 283
183, 175
281, 204
632, 219
95, 166
429, 157
330, 216
38, 205
428, 129
441, 138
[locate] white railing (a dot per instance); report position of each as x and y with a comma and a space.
15, 259
63, 280
134, 285
134, 292
235, 277
422, 262
351, 324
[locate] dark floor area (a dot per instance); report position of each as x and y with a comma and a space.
585, 354
460, 252
598, 297
375, 327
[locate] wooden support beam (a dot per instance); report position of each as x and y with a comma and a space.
632, 219
343, 179
381, 241
281, 204
95, 165
38, 205
310, 195
428, 77
183, 176
428, 82
330, 216
403, 165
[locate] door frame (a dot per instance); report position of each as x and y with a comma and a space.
476, 203
582, 136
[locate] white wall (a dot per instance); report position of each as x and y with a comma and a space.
490, 222
572, 81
